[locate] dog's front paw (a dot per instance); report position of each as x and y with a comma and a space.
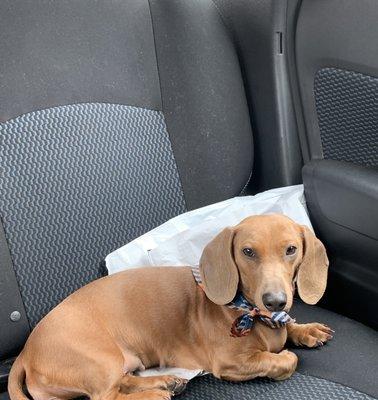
155, 394
286, 367
314, 335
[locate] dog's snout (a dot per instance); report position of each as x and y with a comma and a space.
274, 301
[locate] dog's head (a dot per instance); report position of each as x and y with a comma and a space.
263, 256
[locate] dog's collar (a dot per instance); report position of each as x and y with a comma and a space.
243, 324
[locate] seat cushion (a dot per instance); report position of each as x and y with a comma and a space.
297, 387
345, 368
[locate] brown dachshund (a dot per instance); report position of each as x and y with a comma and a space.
93, 341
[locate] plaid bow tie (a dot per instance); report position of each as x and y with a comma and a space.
243, 324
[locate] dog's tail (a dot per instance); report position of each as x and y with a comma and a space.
16, 380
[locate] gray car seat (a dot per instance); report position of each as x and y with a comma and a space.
115, 116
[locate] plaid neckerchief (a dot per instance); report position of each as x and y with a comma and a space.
243, 324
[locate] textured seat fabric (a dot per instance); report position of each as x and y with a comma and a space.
345, 368
298, 387
129, 185
346, 103
136, 53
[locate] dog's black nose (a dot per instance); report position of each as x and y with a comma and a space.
274, 301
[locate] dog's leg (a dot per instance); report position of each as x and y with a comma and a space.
260, 364
131, 383
310, 335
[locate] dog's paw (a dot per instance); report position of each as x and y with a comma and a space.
314, 335
156, 394
174, 384
286, 367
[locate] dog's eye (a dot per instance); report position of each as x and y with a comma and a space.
291, 250
249, 252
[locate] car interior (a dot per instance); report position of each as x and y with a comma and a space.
116, 115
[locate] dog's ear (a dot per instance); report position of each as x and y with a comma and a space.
219, 274
313, 270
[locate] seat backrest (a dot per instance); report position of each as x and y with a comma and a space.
114, 117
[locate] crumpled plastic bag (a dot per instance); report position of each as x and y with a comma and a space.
180, 240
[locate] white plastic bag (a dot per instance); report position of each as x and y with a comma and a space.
180, 241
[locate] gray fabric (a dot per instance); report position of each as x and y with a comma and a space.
342, 200
254, 27
337, 33
347, 104
13, 334
65, 52
78, 182
203, 100
298, 387
62, 52
350, 358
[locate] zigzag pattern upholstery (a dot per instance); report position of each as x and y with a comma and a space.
77, 182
